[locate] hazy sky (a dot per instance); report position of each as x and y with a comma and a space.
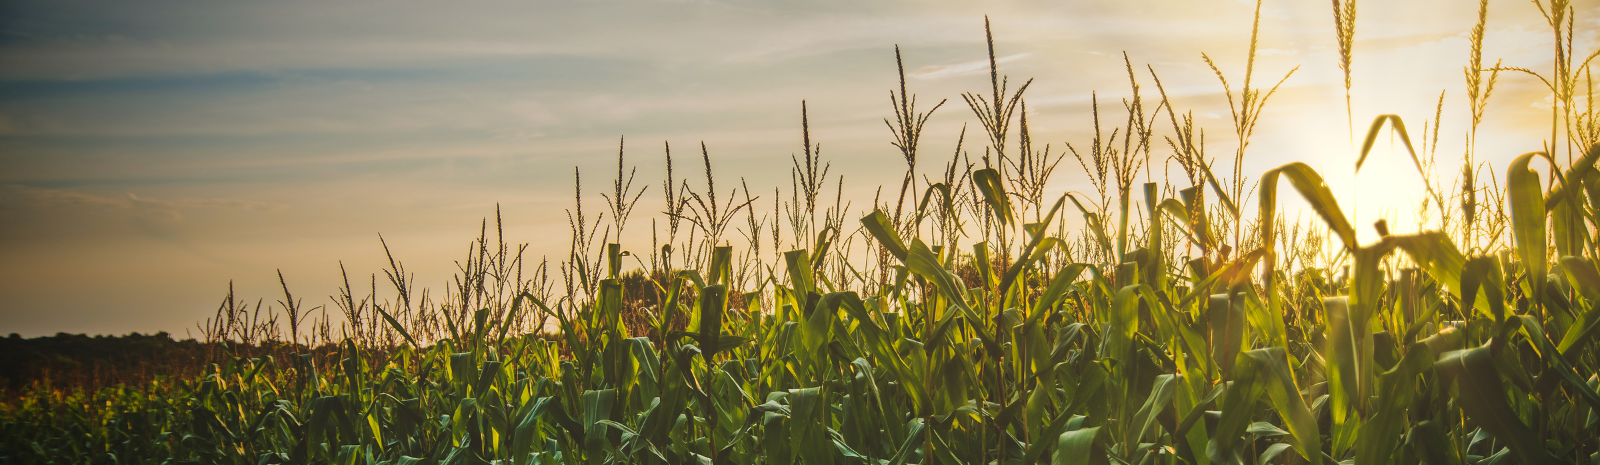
150, 152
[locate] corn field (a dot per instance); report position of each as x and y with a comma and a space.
968, 315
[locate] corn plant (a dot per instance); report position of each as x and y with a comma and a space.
979, 329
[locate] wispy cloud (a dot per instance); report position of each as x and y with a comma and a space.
961, 69
17, 196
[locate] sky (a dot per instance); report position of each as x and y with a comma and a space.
153, 152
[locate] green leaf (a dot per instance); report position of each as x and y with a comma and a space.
1124, 323
1528, 220
1211, 178
1160, 398
1437, 255
1316, 193
1226, 321
816, 332
1272, 452
994, 192
1262, 428
883, 230
1271, 368
1256, 372
1586, 280
808, 433
1054, 292
1092, 222
800, 276
713, 301
1380, 435
721, 264
1557, 364
1073, 447
923, 262
397, 328
946, 202
1090, 382
1192, 209
1483, 398
1431, 444
1037, 247
526, 429
916, 438
1399, 128
1581, 170
1343, 367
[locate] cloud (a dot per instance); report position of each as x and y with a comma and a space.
961, 69
17, 196
185, 203
31, 216
14, 195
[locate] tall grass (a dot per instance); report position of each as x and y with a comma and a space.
956, 320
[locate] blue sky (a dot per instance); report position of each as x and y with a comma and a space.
150, 152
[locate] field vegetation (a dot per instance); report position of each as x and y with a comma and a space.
969, 314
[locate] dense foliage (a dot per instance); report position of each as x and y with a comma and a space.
67, 361
962, 323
